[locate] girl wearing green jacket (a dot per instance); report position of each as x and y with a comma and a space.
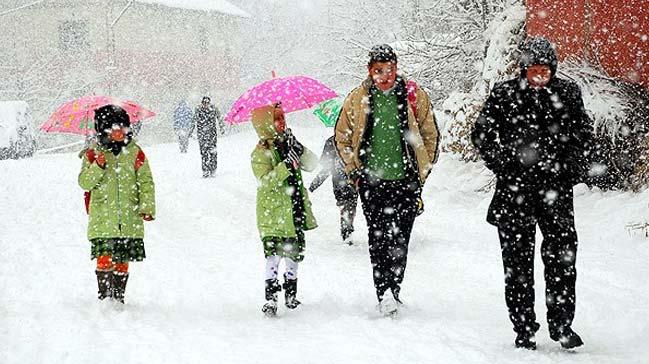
283, 206
116, 175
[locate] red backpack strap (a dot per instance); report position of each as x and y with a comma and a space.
139, 160
411, 86
91, 155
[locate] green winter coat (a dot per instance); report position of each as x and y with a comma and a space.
274, 205
120, 195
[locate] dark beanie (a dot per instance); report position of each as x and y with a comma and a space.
538, 50
109, 115
382, 53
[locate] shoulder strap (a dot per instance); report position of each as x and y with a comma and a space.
411, 86
139, 160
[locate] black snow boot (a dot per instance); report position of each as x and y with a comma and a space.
290, 293
270, 307
119, 285
566, 337
104, 280
525, 338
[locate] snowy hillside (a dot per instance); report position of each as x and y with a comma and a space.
197, 296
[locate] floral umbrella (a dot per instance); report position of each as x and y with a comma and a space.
294, 92
77, 116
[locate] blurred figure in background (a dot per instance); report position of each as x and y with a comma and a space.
183, 124
344, 191
205, 120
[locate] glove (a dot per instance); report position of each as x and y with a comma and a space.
355, 177
147, 217
420, 206
292, 159
293, 144
101, 160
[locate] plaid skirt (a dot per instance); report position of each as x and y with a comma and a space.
292, 248
121, 250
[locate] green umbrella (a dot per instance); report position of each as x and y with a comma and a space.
328, 111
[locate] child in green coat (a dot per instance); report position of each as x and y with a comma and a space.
120, 196
283, 206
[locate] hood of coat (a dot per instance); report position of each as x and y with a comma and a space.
538, 51
264, 122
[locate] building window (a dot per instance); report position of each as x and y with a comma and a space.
73, 35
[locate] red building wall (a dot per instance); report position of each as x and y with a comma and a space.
614, 33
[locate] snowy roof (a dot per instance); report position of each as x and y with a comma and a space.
221, 6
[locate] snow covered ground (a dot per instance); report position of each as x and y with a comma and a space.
197, 297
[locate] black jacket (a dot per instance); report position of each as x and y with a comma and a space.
331, 164
205, 120
534, 140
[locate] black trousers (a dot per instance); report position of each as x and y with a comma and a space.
208, 155
555, 219
390, 209
347, 215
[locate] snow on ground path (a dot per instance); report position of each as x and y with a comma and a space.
198, 295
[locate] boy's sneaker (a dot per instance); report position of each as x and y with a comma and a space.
566, 337
270, 308
525, 340
388, 306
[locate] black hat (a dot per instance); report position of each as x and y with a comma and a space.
206, 98
538, 50
382, 53
109, 115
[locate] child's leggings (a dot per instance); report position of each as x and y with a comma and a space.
105, 263
272, 265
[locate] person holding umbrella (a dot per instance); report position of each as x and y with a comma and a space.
283, 206
344, 191
387, 138
116, 174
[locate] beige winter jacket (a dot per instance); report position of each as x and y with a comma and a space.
423, 134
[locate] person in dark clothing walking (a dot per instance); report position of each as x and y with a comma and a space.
387, 139
344, 191
534, 134
183, 124
205, 120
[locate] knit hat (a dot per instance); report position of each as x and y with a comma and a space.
109, 115
538, 51
382, 53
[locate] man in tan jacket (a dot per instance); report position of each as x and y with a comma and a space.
387, 138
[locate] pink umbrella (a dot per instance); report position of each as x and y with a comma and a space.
294, 92
77, 116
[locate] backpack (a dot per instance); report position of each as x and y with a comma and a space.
91, 155
411, 87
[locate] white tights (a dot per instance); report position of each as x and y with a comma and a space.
272, 266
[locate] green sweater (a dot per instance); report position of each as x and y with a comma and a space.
385, 159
